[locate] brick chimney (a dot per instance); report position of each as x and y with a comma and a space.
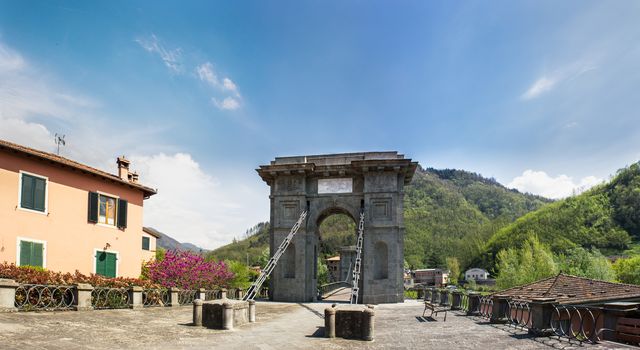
123, 168
133, 177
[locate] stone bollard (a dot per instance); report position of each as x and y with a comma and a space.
223, 293
499, 309
613, 311
240, 294
368, 324
135, 298
174, 297
8, 295
201, 294
444, 298
541, 310
197, 312
474, 303
456, 300
330, 322
252, 311
82, 296
227, 316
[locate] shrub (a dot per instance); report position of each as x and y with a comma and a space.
187, 270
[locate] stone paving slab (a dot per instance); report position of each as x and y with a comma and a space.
278, 326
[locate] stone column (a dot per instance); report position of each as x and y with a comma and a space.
498, 312
474, 303
174, 297
444, 297
240, 293
223, 293
227, 316
456, 301
8, 295
434, 295
135, 298
541, 310
197, 312
612, 311
368, 324
330, 322
201, 294
252, 311
82, 296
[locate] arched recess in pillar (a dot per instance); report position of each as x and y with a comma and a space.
289, 261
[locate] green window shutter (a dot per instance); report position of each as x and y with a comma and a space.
110, 265
27, 193
93, 207
145, 243
40, 188
25, 253
101, 258
37, 251
122, 213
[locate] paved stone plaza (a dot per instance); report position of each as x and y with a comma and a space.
279, 326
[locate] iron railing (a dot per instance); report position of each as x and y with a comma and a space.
186, 297
110, 298
44, 297
577, 322
155, 297
485, 307
518, 313
212, 294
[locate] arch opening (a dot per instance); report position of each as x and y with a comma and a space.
336, 232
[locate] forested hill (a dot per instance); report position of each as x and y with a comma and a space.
448, 213
606, 218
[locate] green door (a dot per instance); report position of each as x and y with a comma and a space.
106, 264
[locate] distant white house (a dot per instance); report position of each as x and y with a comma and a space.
476, 274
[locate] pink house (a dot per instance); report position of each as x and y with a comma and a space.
65, 216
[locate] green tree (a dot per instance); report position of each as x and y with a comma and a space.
581, 262
628, 270
530, 263
454, 269
241, 274
323, 272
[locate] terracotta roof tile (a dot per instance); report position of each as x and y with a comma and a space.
148, 191
569, 289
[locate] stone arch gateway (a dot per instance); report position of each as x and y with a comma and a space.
339, 183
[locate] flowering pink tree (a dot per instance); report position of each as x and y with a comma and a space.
187, 270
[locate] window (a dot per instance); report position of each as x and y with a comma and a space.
31, 254
145, 243
33, 192
107, 210
106, 264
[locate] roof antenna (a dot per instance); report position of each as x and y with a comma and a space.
60, 140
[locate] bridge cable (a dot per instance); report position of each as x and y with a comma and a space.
358, 264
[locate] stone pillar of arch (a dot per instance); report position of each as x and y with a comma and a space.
339, 183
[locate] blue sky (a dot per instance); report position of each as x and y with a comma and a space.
541, 95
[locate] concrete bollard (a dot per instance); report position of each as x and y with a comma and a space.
135, 297
201, 294
223, 293
8, 295
82, 296
197, 312
227, 316
330, 322
240, 294
474, 303
541, 310
368, 324
174, 297
499, 309
252, 311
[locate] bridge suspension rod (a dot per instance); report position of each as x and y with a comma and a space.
358, 264
266, 272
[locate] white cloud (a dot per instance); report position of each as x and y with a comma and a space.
230, 85
540, 183
193, 206
10, 60
170, 57
550, 81
229, 103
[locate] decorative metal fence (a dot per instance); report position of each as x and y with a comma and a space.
577, 322
464, 302
110, 298
186, 297
212, 294
31, 297
155, 297
485, 307
518, 313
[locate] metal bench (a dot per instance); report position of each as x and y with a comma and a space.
434, 310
